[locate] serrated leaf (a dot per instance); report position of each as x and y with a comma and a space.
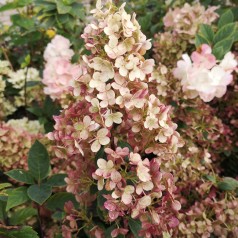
57, 201
21, 175
135, 227
228, 184
226, 32
57, 180
38, 161
226, 18
207, 32
17, 197
39, 193
20, 216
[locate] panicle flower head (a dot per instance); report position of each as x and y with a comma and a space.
115, 103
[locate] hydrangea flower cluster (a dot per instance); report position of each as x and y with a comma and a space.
204, 208
17, 80
59, 72
201, 75
169, 47
119, 118
186, 20
16, 138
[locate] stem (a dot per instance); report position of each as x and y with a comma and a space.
25, 81
7, 58
39, 220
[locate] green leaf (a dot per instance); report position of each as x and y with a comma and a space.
8, 6
77, 11
21, 175
57, 180
4, 185
50, 108
2, 211
62, 8
38, 161
39, 193
68, 2
23, 21
109, 231
23, 3
199, 40
26, 61
218, 52
24, 232
20, 216
221, 48
228, 184
17, 197
58, 215
235, 36
135, 226
57, 201
210, 178
226, 32
207, 32
226, 18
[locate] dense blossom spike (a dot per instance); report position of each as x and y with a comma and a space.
115, 103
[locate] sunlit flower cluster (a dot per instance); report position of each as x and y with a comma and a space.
16, 138
201, 75
59, 72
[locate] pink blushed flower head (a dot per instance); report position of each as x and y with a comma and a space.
203, 76
58, 47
